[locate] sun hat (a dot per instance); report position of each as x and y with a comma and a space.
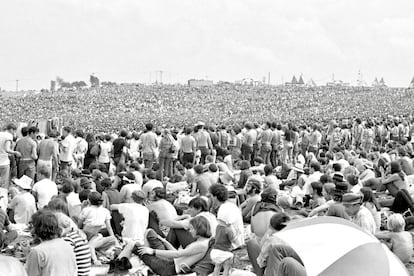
23, 182
369, 165
351, 198
338, 177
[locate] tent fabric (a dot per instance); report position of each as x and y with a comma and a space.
334, 246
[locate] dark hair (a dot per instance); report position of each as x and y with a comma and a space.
201, 226
67, 129
123, 133
44, 171
244, 165
79, 133
368, 196
199, 169
278, 221
25, 131
159, 193
316, 166
11, 127
149, 126
67, 187
58, 205
336, 167
212, 168
317, 187
84, 194
268, 170
187, 130
219, 191
396, 168
45, 225
32, 129
106, 183
199, 204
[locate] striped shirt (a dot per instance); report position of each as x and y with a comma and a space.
82, 252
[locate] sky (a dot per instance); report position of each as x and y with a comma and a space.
229, 40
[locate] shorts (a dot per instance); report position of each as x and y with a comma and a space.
219, 256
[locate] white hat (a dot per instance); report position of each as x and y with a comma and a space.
199, 123
23, 182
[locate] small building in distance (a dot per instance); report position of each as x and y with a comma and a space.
411, 86
380, 83
200, 83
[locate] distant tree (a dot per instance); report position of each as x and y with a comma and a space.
94, 81
79, 84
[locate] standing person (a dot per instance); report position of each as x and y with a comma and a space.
120, 148
249, 140
67, 148
265, 139
105, 149
303, 139
80, 149
23, 204
315, 139
235, 145
149, 144
6, 140
92, 152
44, 189
203, 141
27, 146
166, 151
53, 256
188, 147
277, 144
48, 154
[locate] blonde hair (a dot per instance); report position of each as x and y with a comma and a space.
396, 223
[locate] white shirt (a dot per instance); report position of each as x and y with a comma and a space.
106, 148
95, 216
229, 212
45, 190
136, 220
68, 146
315, 177
4, 156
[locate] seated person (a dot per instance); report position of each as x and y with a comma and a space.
164, 259
179, 234
263, 211
253, 189
273, 256
399, 241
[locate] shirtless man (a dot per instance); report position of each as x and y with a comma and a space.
48, 154
27, 148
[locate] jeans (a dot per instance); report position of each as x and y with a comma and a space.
5, 176
148, 158
179, 237
165, 167
27, 167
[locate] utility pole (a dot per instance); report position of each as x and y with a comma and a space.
17, 85
268, 79
161, 76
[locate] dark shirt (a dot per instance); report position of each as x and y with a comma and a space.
224, 238
119, 144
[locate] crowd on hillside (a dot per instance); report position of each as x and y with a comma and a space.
181, 200
111, 108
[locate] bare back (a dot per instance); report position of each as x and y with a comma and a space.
47, 148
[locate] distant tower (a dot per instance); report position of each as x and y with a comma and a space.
301, 82
53, 86
294, 80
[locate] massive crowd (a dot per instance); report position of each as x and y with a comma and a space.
172, 196
111, 108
